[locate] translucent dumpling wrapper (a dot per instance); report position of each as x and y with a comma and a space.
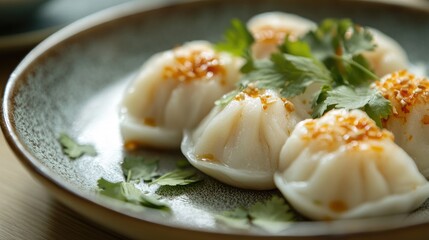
343, 166
239, 144
173, 91
388, 56
409, 122
270, 29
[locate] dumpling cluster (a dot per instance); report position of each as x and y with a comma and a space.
173, 91
239, 144
338, 166
343, 166
409, 122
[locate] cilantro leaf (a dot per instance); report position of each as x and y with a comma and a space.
237, 218
319, 105
368, 100
291, 74
271, 215
339, 44
357, 39
378, 108
178, 177
321, 40
296, 48
137, 168
237, 40
127, 192
73, 149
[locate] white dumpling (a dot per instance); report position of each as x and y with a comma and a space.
173, 91
388, 56
409, 122
269, 30
343, 166
239, 144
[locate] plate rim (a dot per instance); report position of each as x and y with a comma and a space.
65, 191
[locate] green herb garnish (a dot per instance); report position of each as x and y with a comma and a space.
331, 55
238, 218
272, 215
73, 149
369, 100
237, 40
290, 74
127, 192
138, 168
178, 177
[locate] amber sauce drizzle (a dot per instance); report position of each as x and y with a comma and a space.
338, 206
207, 157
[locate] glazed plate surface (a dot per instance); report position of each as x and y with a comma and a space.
73, 82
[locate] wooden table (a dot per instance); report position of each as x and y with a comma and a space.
27, 211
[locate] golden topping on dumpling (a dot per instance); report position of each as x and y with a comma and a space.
404, 90
196, 65
337, 128
273, 34
173, 91
270, 29
409, 96
266, 97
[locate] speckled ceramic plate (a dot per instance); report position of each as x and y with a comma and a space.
72, 82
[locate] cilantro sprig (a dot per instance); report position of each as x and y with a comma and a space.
73, 149
290, 74
330, 55
127, 192
139, 168
272, 215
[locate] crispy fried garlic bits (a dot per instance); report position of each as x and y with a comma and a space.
388, 55
409, 122
239, 144
270, 29
174, 90
343, 166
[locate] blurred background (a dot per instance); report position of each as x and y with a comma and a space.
25, 23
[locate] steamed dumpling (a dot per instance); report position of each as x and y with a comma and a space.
388, 56
270, 29
409, 122
239, 144
173, 91
343, 166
